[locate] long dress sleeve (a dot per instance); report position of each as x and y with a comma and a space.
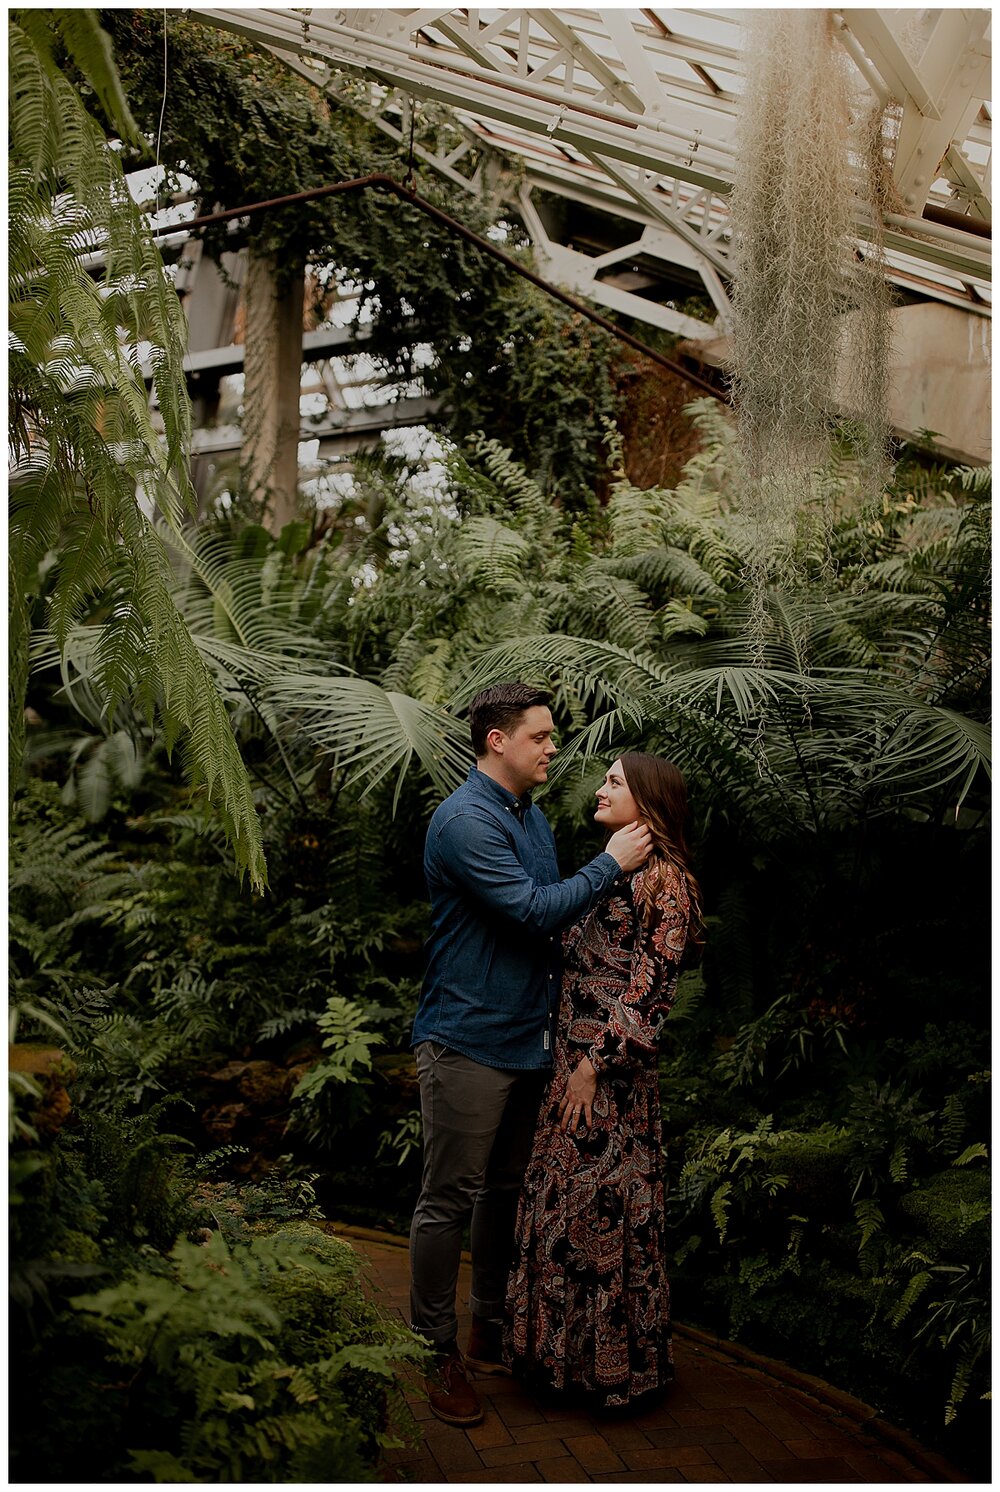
636, 1015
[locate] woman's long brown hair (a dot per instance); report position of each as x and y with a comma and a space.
660, 794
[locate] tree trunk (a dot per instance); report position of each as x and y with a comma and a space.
272, 368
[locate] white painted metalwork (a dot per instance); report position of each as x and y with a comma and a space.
628, 115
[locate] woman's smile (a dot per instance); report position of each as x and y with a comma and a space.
616, 806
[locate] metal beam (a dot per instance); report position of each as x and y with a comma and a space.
614, 87
580, 118
345, 425
940, 92
338, 88
637, 61
595, 100
971, 189
891, 60
580, 272
660, 212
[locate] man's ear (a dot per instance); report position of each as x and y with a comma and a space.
495, 739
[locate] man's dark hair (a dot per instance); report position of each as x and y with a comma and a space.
499, 708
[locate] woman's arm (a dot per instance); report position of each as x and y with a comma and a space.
633, 1027
631, 1035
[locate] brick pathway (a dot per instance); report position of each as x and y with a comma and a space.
724, 1420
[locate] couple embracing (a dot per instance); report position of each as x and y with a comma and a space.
536, 1050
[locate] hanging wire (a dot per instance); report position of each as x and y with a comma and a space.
380, 182
408, 179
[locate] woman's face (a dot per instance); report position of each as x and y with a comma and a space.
616, 806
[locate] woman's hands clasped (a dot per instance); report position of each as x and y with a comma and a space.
578, 1099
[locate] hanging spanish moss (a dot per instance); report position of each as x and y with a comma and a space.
810, 344
868, 342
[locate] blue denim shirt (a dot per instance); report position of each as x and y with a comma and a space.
498, 908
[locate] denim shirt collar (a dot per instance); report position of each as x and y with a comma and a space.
503, 795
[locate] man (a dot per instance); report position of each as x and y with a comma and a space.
483, 1029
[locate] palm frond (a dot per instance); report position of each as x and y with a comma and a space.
376, 731
624, 723
934, 746
241, 575
601, 670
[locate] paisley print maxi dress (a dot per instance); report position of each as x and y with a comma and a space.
588, 1301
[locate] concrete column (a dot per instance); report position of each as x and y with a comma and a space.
272, 373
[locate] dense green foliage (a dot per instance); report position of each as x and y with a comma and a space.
825, 1078
151, 1346
199, 1065
82, 432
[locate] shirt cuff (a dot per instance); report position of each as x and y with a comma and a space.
609, 863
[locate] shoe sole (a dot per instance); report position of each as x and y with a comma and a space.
458, 1419
498, 1369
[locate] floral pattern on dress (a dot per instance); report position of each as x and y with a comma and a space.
588, 1300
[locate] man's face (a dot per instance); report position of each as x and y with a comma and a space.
527, 751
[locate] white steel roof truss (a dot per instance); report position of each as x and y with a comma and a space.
614, 109
665, 210
380, 111
940, 94
582, 272
966, 185
470, 85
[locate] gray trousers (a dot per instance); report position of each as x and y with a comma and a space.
478, 1127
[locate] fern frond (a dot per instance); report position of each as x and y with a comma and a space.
916, 1287
83, 427
601, 604
720, 1205
514, 486
493, 554
870, 1219
977, 481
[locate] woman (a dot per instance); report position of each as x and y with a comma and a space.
588, 1302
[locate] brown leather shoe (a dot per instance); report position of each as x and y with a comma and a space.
485, 1351
450, 1394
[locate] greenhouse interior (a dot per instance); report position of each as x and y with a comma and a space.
425, 424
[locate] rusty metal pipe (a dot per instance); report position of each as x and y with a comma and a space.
384, 183
960, 220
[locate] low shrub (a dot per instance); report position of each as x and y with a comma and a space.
953, 1209
148, 1343
259, 1363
